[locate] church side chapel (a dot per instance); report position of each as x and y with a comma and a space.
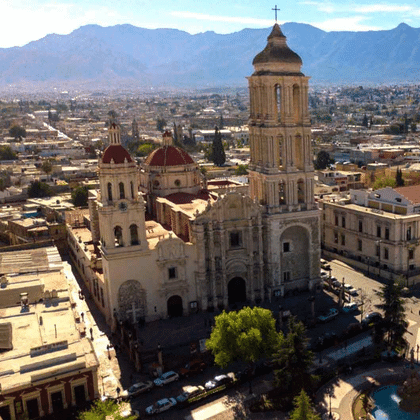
166, 246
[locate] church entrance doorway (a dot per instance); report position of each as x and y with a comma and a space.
174, 306
237, 290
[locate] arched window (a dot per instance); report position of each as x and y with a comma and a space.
277, 93
301, 191
122, 193
132, 189
296, 103
134, 235
109, 186
118, 236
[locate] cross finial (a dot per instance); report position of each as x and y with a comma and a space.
275, 11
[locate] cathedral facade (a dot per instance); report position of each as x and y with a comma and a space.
168, 246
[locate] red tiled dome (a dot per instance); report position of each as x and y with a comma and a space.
168, 156
117, 153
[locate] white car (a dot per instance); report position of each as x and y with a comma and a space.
161, 405
218, 381
330, 315
136, 389
166, 378
349, 307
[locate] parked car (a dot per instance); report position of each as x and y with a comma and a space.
335, 282
189, 391
371, 318
136, 389
324, 264
192, 368
323, 275
166, 378
218, 381
350, 307
161, 405
330, 315
352, 330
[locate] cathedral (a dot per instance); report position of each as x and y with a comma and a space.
167, 246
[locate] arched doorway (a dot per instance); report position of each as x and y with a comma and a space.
236, 290
174, 306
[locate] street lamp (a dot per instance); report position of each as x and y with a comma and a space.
330, 394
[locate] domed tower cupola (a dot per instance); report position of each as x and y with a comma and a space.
114, 134
167, 139
277, 56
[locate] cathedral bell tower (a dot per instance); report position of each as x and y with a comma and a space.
121, 209
281, 169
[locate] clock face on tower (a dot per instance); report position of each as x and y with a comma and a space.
123, 206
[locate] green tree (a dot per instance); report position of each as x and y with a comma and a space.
383, 182
17, 132
241, 170
39, 189
246, 335
323, 160
394, 322
218, 151
104, 410
6, 153
145, 149
294, 359
303, 409
47, 166
399, 180
79, 196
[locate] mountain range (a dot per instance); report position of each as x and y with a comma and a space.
125, 54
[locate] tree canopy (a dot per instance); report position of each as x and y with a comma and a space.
79, 196
323, 160
293, 358
103, 410
47, 166
218, 151
386, 181
6, 153
246, 335
394, 323
39, 189
17, 131
303, 409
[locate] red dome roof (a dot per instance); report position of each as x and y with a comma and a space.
117, 153
168, 156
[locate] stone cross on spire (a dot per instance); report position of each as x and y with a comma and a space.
275, 11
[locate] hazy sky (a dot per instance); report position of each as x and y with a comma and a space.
28, 20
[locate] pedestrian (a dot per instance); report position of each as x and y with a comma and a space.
91, 333
83, 316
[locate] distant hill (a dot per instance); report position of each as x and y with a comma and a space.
125, 54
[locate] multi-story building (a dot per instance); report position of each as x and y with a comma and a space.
378, 231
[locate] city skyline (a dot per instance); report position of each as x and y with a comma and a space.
29, 22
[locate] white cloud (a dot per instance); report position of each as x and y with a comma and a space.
216, 18
387, 8
345, 24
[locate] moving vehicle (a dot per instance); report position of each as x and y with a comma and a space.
218, 381
166, 378
372, 318
189, 391
137, 389
330, 315
161, 405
